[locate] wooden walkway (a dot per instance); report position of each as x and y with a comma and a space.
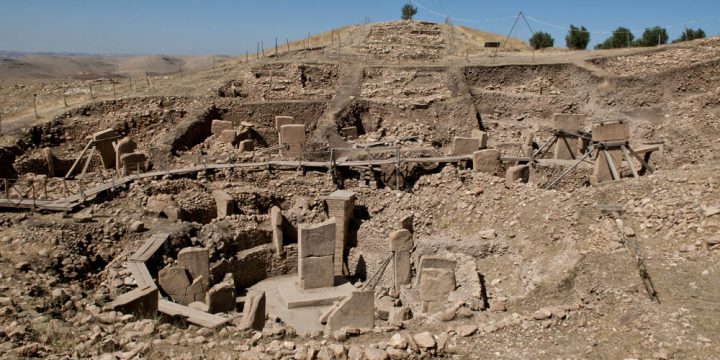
71, 202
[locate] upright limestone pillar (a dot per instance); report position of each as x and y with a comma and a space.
340, 205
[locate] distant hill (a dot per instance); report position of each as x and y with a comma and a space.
15, 65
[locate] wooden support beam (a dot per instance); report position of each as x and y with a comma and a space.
611, 165
79, 158
644, 163
628, 159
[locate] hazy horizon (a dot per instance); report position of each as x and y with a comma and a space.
190, 28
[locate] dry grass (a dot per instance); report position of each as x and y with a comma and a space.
475, 39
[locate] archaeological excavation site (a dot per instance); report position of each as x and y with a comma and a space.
397, 192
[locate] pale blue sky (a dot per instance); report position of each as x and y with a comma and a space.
232, 27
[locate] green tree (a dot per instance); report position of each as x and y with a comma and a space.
690, 34
621, 37
577, 38
653, 36
408, 11
541, 40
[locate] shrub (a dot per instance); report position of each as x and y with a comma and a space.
541, 40
408, 11
620, 38
577, 38
690, 34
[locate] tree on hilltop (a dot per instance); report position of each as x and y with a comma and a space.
620, 38
653, 36
541, 40
408, 11
577, 38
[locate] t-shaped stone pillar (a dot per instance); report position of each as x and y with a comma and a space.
616, 131
316, 244
103, 143
566, 146
340, 205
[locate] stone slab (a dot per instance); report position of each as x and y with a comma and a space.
197, 262
224, 203
229, 136
220, 298
294, 297
247, 146
316, 240
294, 137
356, 311
283, 120
254, 312
481, 136
436, 284
218, 126
487, 160
464, 146
569, 122
316, 272
610, 131
515, 173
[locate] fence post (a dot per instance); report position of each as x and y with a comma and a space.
262, 48
112, 81
65, 96
257, 53
92, 96
213, 58
181, 73
130, 78
276, 48
148, 79
287, 41
7, 189
35, 105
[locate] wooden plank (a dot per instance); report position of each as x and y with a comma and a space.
148, 248
141, 274
644, 163
196, 317
77, 161
147, 296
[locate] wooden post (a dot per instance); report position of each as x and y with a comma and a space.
276, 48
213, 59
147, 78
262, 48
257, 53
7, 189
397, 168
65, 96
130, 78
287, 41
92, 96
247, 59
35, 105
32, 186
112, 81
181, 73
